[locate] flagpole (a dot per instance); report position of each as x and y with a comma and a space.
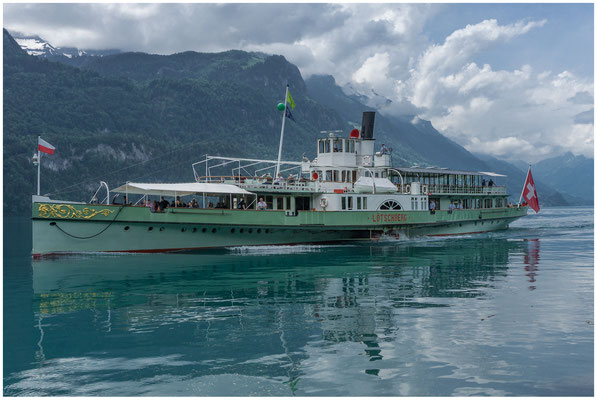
524, 183
282, 133
38, 164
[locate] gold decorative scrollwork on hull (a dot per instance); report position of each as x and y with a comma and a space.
68, 211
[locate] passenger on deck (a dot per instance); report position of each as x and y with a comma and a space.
490, 182
125, 202
154, 206
164, 204
432, 207
268, 179
194, 204
290, 179
242, 205
459, 206
451, 207
262, 205
210, 205
483, 183
384, 149
279, 180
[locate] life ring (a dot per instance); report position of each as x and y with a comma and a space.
407, 188
323, 202
315, 176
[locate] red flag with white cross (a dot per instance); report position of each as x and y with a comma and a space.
529, 193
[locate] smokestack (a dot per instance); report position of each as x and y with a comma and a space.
367, 127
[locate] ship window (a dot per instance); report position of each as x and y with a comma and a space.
352, 146
349, 202
390, 205
412, 203
377, 174
321, 146
326, 146
384, 174
336, 175
269, 200
358, 203
183, 229
354, 176
343, 176
279, 203
287, 203
347, 146
343, 201
364, 203
337, 146
328, 176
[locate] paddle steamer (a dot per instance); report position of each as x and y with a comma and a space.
348, 192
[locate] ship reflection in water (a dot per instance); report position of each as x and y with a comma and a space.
293, 318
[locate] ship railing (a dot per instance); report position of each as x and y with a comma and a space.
454, 189
260, 182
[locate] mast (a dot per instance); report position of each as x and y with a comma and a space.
282, 133
38, 164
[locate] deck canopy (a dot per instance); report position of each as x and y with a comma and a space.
179, 189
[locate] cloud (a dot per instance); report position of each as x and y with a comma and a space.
380, 50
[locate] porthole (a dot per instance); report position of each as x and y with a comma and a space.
194, 230
183, 229
162, 228
241, 230
232, 230
250, 230
267, 231
259, 230
459, 224
213, 230
150, 228
482, 222
126, 228
52, 223
204, 230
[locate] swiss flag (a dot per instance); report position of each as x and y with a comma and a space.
530, 193
44, 146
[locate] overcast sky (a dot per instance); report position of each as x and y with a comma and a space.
511, 80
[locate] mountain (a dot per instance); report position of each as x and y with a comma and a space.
115, 128
36, 46
569, 174
143, 117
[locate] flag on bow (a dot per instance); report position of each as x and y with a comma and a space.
290, 101
44, 146
529, 193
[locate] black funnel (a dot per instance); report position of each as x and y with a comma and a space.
367, 127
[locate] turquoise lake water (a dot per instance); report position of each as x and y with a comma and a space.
504, 313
